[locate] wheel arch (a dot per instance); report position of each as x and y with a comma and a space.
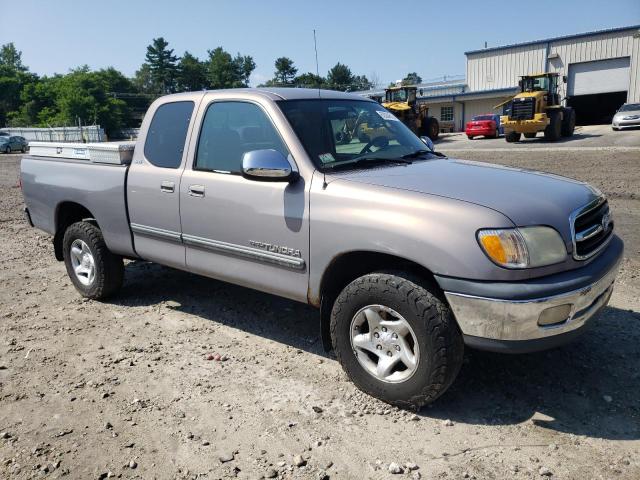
348, 266
66, 214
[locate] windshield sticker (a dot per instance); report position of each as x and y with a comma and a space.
326, 158
387, 115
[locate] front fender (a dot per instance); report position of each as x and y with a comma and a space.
435, 232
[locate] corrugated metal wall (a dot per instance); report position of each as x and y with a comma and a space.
501, 68
600, 47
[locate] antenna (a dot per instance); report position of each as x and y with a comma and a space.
315, 46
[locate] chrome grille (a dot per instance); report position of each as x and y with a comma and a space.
591, 228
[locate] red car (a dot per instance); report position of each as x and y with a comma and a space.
487, 125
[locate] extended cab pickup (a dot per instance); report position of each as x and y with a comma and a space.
407, 254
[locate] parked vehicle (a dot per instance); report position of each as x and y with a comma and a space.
408, 255
13, 144
487, 125
627, 116
537, 108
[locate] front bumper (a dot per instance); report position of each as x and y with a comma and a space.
519, 325
625, 123
537, 123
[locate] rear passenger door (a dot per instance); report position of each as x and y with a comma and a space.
153, 183
244, 231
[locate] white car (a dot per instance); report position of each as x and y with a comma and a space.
627, 116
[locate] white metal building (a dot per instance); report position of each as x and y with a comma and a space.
601, 68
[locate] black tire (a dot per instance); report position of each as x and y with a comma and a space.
109, 268
437, 334
512, 137
7, 150
530, 135
430, 128
568, 122
553, 131
24, 149
470, 137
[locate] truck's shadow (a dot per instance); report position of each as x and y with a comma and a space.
590, 387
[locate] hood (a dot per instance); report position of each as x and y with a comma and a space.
527, 197
629, 113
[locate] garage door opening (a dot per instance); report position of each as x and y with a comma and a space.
597, 108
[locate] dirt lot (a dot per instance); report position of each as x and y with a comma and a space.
90, 390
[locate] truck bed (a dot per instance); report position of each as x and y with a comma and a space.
49, 182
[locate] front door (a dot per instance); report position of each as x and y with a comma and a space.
153, 184
240, 230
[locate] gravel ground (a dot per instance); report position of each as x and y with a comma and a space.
125, 388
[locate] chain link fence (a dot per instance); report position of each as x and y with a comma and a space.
90, 133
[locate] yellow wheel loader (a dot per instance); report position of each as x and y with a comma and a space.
537, 108
402, 102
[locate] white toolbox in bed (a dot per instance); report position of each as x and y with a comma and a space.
116, 153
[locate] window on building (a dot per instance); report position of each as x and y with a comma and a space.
229, 130
446, 113
167, 134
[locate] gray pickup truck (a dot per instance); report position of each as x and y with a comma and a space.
326, 198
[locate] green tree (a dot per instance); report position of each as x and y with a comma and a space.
224, 71
340, 77
82, 94
412, 78
361, 82
163, 69
285, 70
14, 77
11, 58
192, 74
310, 80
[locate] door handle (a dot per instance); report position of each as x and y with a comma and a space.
196, 190
167, 187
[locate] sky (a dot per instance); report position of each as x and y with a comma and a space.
379, 39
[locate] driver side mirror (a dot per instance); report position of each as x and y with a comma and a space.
267, 166
429, 143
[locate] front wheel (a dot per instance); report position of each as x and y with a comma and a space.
7, 150
395, 339
93, 269
512, 137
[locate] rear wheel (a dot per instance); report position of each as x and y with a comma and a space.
512, 137
553, 131
94, 270
470, 137
395, 339
7, 149
530, 135
568, 122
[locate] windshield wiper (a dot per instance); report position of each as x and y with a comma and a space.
416, 154
419, 153
369, 161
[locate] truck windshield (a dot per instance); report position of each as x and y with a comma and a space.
337, 132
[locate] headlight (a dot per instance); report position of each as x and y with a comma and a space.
524, 247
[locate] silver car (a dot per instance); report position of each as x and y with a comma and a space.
13, 144
627, 116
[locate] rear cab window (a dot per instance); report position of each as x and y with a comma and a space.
167, 134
